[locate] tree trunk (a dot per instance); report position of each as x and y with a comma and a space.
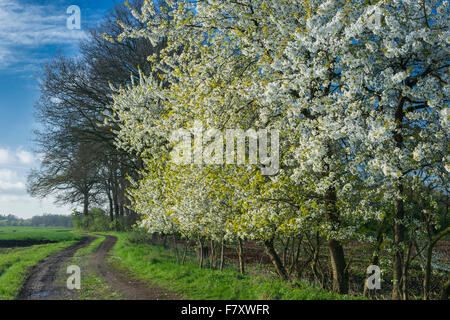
428, 266
296, 256
337, 257
185, 251
111, 207
405, 271
203, 252
315, 266
222, 257
285, 252
86, 204
165, 241
275, 259
121, 200
445, 291
339, 267
316, 269
212, 255
375, 255
427, 278
399, 232
121, 211
241, 256
116, 202
176, 248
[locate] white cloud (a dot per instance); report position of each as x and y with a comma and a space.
11, 183
5, 156
12, 187
14, 199
25, 207
32, 24
14, 167
8, 199
18, 157
5, 57
26, 26
7, 175
25, 157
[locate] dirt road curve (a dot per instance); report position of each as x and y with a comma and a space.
47, 280
130, 288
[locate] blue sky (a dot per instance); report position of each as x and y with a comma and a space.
31, 33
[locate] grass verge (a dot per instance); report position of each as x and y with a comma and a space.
155, 264
92, 286
86, 251
16, 262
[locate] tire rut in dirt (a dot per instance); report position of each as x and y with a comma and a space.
45, 281
120, 281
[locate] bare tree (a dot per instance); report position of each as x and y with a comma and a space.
81, 162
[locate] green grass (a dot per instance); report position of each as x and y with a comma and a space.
84, 252
155, 264
16, 262
38, 234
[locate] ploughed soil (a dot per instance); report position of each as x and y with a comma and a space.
357, 254
22, 243
47, 280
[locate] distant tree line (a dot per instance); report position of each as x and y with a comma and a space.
98, 219
46, 220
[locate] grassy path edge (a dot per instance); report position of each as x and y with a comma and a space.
14, 277
153, 264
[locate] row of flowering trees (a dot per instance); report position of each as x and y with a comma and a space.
358, 92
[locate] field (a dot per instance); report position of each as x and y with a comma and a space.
21, 248
25, 236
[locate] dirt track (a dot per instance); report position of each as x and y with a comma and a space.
47, 280
131, 289
44, 280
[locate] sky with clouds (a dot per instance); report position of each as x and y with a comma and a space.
32, 32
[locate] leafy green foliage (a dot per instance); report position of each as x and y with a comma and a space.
96, 220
